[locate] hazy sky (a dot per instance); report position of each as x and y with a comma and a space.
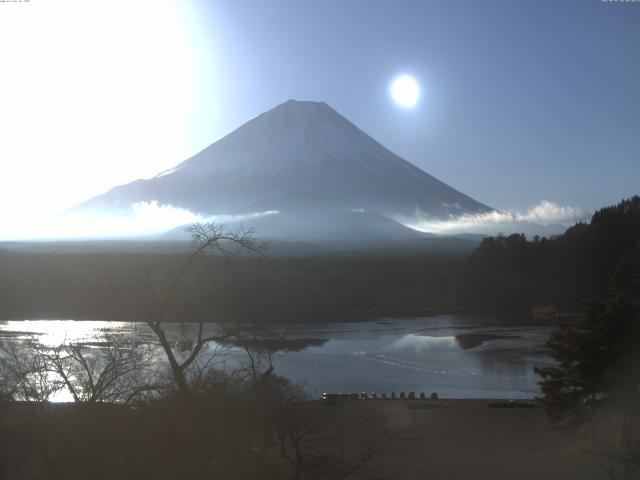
521, 101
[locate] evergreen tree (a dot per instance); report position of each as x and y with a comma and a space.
596, 378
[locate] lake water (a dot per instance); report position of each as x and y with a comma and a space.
458, 356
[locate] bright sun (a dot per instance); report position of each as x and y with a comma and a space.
405, 91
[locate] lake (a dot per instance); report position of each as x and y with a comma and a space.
457, 356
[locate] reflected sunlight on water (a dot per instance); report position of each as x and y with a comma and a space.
52, 333
423, 343
421, 354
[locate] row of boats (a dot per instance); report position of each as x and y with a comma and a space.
330, 398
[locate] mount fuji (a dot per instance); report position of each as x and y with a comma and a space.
320, 176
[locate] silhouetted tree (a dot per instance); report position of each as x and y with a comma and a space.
596, 378
208, 239
24, 374
117, 370
112, 369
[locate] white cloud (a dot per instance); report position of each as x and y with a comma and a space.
543, 213
549, 212
151, 217
147, 218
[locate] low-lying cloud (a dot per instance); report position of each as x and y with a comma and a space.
549, 212
544, 213
146, 218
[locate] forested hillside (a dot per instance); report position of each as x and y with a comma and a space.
509, 272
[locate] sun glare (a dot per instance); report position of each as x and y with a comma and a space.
405, 91
93, 94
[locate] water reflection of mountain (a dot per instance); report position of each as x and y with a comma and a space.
468, 341
279, 344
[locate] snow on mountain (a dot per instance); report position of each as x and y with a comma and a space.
295, 134
297, 158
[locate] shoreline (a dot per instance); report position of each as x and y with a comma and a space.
383, 316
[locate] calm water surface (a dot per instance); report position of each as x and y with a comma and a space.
458, 356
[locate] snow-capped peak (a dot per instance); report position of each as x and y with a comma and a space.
294, 134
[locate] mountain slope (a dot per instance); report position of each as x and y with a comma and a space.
296, 150
305, 146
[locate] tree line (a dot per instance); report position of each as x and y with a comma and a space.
593, 389
514, 274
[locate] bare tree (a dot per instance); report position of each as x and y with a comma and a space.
115, 370
23, 372
208, 239
315, 442
112, 370
299, 428
259, 344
